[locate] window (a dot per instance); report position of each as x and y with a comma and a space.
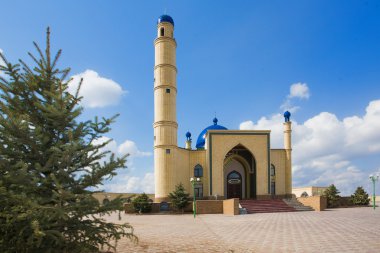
167, 151
272, 173
162, 32
167, 90
198, 191
273, 179
272, 170
198, 171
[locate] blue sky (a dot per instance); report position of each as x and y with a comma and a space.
238, 59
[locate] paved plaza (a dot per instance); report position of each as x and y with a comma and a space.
333, 230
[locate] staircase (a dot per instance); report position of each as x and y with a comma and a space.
293, 202
266, 206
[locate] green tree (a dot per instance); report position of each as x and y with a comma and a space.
142, 204
49, 163
332, 195
360, 197
179, 198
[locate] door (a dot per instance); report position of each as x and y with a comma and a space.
234, 185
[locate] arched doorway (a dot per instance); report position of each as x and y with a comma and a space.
241, 160
234, 185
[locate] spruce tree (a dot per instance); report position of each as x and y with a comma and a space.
360, 197
179, 198
141, 204
49, 163
332, 195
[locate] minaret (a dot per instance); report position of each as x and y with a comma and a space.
165, 118
288, 150
188, 141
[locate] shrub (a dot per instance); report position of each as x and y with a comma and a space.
141, 204
332, 195
360, 197
179, 198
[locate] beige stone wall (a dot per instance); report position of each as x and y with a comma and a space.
278, 159
227, 207
209, 206
165, 134
231, 207
223, 141
310, 190
318, 203
198, 157
179, 168
169, 29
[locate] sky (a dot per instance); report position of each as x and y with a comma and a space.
244, 61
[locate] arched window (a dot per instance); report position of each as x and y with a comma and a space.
198, 171
106, 201
272, 170
162, 32
272, 179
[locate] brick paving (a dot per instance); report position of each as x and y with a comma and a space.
334, 230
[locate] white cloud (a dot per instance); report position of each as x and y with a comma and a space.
132, 184
299, 90
324, 146
274, 123
121, 150
97, 91
125, 182
129, 147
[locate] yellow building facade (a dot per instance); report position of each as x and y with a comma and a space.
229, 163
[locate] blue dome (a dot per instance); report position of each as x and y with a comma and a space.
287, 115
165, 18
201, 138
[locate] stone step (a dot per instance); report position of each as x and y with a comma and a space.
266, 206
298, 206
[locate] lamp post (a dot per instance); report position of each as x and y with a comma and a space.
193, 181
374, 178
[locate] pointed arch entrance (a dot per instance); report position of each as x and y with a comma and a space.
239, 174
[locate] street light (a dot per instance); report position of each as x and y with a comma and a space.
193, 181
374, 178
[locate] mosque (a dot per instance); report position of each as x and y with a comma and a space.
229, 163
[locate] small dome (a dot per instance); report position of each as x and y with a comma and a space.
201, 141
188, 135
165, 18
287, 115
